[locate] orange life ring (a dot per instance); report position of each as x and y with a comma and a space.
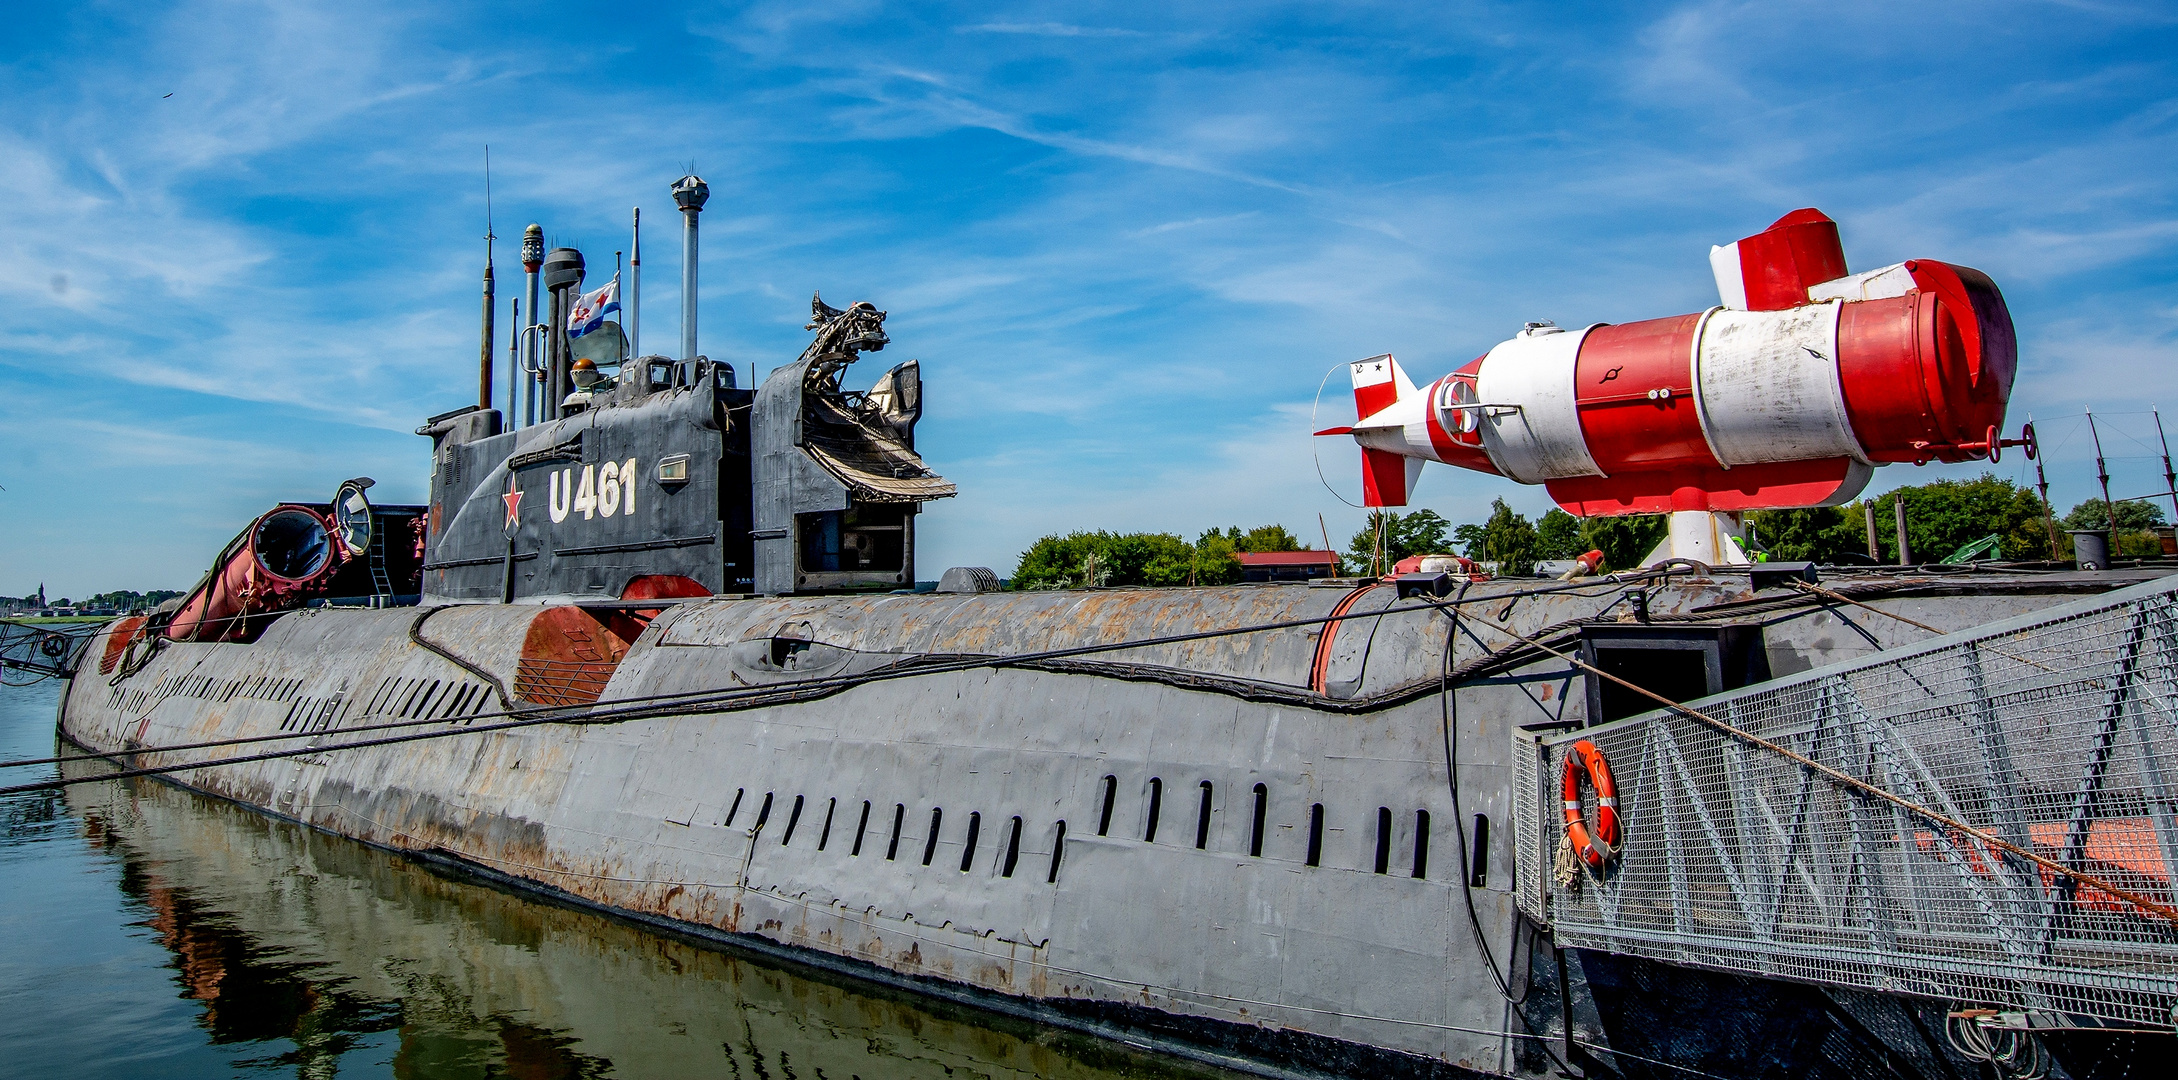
1601, 847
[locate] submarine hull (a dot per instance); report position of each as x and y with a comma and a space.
1244, 847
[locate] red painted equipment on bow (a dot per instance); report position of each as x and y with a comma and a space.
1787, 394
281, 559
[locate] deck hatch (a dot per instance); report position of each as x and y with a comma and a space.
1680, 661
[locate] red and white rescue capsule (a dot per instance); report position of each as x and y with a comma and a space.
1787, 394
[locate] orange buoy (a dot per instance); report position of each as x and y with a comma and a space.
1599, 848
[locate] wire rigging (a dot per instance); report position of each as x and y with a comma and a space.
1448, 712
685, 702
1313, 454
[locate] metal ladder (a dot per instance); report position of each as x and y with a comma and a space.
381, 582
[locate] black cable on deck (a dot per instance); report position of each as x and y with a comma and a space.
694, 701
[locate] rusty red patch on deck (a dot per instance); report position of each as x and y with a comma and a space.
568, 656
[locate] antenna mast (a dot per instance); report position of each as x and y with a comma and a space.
635, 287
532, 258
2041, 480
484, 355
2102, 473
689, 193
514, 365
2170, 477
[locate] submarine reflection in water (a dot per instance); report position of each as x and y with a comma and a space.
287, 934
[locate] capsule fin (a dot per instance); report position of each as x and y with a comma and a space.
1379, 383
1772, 269
1387, 479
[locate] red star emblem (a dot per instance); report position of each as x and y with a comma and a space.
514, 505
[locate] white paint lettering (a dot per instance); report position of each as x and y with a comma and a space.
627, 487
586, 495
608, 489
556, 503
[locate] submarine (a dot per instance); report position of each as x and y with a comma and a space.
653, 647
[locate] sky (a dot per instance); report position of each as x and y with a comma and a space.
241, 244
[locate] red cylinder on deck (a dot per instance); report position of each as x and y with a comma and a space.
278, 561
1788, 394
1740, 410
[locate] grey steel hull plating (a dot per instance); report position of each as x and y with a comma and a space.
1343, 946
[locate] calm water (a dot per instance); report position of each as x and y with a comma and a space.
146, 931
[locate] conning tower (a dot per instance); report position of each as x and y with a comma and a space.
667, 478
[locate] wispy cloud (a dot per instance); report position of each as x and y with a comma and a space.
1050, 29
1125, 246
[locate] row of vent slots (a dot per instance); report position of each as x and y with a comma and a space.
263, 688
899, 820
461, 698
1315, 827
1479, 870
417, 703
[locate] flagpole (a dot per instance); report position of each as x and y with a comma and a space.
635, 286
485, 357
616, 300
514, 366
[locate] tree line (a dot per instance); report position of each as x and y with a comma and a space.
119, 600
1090, 559
1942, 517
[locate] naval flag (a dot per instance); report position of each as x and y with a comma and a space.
589, 311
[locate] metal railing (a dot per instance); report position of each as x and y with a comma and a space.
2054, 734
560, 683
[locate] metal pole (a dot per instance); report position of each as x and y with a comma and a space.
484, 351
1905, 553
635, 287
506, 575
2170, 476
2041, 481
1565, 1006
491, 304
514, 363
689, 193
2102, 473
532, 258
562, 278
556, 352
1868, 511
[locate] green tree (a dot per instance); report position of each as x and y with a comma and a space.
125, 599
1092, 559
1624, 540
1419, 533
1213, 560
1506, 539
2136, 519
1823, 534
1087, 559
1558, 536
2132, 515
1945, 515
